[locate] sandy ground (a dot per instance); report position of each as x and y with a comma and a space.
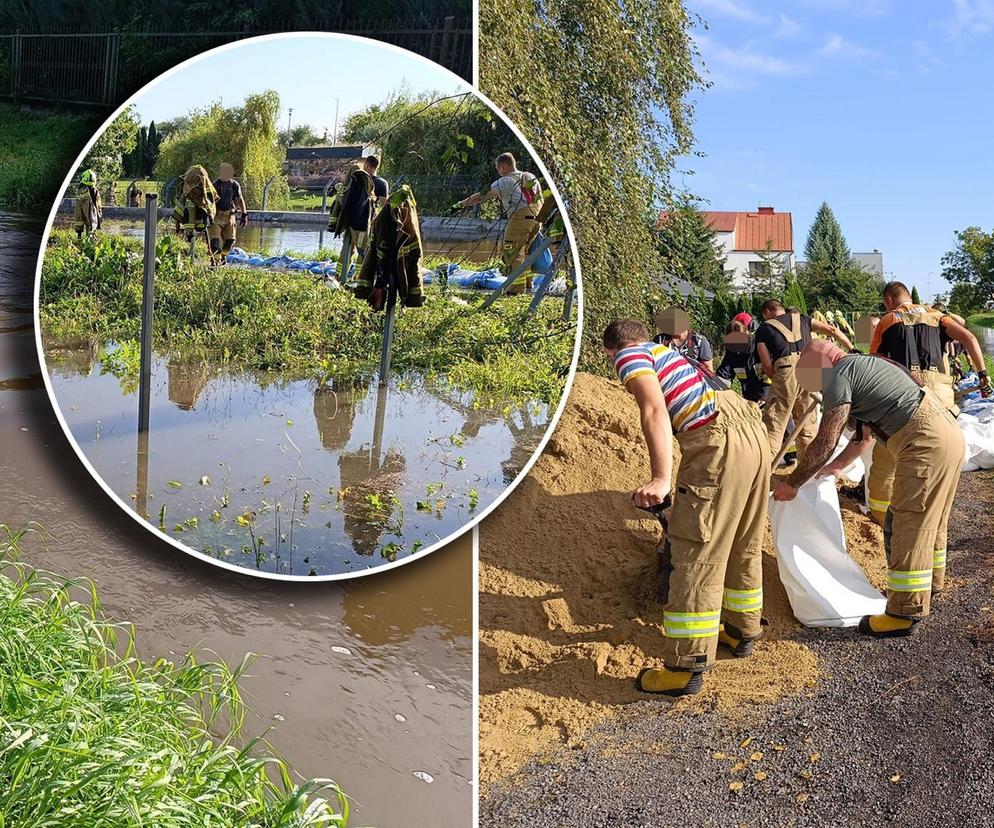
567, 585
895, 733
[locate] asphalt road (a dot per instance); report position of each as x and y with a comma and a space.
896, 733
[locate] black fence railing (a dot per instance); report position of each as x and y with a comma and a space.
103, 68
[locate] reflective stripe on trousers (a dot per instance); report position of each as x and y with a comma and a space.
743, 600
691, 624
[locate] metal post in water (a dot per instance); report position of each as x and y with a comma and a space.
388, 336
141, 481
148, 303
380, 418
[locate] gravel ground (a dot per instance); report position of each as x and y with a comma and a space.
896, 733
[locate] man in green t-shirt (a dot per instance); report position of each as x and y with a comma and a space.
887, 403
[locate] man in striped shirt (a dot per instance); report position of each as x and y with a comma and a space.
712, 559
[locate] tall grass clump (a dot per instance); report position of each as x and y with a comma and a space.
36, 150
290, 322
90, 735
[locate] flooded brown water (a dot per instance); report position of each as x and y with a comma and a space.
302, 238
289, 476
338, 662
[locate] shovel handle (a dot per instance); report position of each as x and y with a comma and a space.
807, 415
659, 510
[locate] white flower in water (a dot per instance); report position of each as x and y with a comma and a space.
342, 650
399, 717
424, 777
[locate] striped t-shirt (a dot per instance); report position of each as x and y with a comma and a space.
689, 399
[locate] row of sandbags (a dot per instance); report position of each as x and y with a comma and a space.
457, 276
326, 269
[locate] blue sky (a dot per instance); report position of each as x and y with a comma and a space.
307, 72
882, 108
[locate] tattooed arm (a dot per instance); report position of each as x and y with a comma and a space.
821, 448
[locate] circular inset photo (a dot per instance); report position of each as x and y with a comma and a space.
308, 306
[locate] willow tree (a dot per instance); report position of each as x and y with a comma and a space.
601, 90
246, 136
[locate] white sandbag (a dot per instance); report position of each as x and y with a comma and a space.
978, 435
859, 467
825, 586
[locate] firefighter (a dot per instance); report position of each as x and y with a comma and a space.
779, 341
917, 336
889, 404
740, 362
222, 230
88, 216
713, 590
520, 195
196, 203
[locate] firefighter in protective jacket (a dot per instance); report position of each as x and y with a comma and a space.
394, 254
89, 210
196, 202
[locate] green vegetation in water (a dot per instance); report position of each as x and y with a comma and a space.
291, 322
36, 149
982, 320
91, 735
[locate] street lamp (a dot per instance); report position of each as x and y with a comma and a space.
289, 112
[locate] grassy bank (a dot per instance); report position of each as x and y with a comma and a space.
982, 320
91, 735
287, 321
36, 151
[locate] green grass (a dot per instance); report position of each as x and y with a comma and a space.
90, 735
982, 320
303, 200
36, 152
288, 322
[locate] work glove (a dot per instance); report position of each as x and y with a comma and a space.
376, 298
243, 219
855, 351
986, 389
455, 208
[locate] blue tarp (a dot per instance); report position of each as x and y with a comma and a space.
325, 269
971, 402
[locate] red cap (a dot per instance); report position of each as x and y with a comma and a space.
743, 317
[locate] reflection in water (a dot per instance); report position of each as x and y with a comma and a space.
281, 475
307, 698
187, 382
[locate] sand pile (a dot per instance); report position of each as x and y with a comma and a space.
567, 585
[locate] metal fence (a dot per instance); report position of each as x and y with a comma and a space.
103, 68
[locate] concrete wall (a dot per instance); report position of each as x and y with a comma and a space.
433, 228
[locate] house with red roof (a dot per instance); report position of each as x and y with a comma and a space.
744, 235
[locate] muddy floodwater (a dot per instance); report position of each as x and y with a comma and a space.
290, 476
304, 238
366, 682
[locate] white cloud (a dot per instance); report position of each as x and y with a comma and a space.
787, 27
837, 46
971, 17
730, 8
744, 59
927, 60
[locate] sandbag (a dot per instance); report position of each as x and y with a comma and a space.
825, 586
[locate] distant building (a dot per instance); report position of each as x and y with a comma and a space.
872, 262
309, 168
744, 235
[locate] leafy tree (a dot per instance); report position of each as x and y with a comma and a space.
245, 136
793, 296
106, 156
690, 248
769, 277
302, 135
428, 140
826, 247
855, 288
914, 295
970, 269
601, 89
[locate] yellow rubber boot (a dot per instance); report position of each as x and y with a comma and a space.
730, 637
668, 682
887, 626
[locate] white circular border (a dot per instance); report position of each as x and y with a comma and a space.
343, 576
